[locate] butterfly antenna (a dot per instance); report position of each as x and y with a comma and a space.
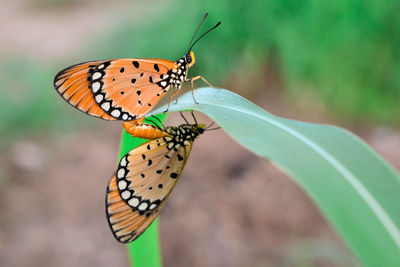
216, 128
216, 25
210, 125
183, 117
205, 16
194, 118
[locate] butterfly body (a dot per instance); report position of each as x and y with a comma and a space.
145, 178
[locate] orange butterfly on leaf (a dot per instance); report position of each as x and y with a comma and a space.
125, 89
146, 176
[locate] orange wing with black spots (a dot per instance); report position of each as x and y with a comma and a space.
127, 89
121, 89
126, 224
73, 84
145, 178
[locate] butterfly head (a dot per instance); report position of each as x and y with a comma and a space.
191, 131
190, 59
199, 128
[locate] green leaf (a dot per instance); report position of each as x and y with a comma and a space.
356, 190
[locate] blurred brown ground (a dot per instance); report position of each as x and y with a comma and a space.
230, 207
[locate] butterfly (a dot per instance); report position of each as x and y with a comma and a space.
125, 89
144, 179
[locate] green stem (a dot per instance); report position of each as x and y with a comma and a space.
145, 251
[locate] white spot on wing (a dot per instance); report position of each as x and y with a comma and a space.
96, 86
121, 173
153, 206
106, 106
99, 97
143, 206
123, 161
122, 184
126, 194
96, 75
115, 113
124, 117
170, 145
133, 202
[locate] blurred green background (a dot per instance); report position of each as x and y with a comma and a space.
326, 61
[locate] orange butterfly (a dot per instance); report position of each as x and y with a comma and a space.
145, 178
125, 89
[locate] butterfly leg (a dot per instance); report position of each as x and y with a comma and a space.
172, 97
194, 79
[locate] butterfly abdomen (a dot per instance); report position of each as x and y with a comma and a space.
146, 131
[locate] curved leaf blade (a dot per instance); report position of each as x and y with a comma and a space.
357, 191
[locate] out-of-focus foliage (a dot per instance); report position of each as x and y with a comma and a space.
344, 51
29, 102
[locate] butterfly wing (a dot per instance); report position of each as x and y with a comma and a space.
121, 89
73, 84
125, 223
127, 89
144, 179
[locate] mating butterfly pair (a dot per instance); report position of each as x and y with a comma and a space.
126, 90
